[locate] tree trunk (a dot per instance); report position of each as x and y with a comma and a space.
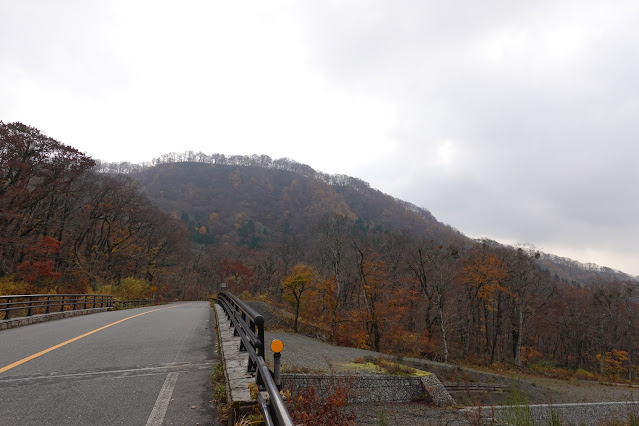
487, 344
297, 312
520, 336
333, 324
602, 360
376, 335
466, 336
497, 330
630, 366
442, 325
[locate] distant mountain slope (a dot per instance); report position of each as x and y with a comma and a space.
218, 200
573, 272
256, 199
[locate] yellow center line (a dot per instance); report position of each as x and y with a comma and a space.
59, 345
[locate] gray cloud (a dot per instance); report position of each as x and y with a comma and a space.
538, 100
511, 120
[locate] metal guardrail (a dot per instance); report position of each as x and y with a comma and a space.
474, 387
26, 305
248, 324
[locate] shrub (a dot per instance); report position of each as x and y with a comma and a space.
550, 369
308, 408
130, 288
518, 410
582, 374
219, 393
10, 287
219, 383
133, 288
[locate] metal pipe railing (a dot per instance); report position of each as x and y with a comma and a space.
249, 325
26, 305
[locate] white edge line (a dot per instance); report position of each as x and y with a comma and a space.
162, 403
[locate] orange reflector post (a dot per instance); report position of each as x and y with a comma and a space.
277, 346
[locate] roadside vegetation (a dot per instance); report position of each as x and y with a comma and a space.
218, 384
66, 229
385, 366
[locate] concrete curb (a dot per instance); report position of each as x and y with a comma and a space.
237, 379
21, 321
235, 362
220, 348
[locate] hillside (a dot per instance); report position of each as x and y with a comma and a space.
256, 199
229, 202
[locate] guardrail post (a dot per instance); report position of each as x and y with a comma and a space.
252, 366
7, 312
259, 322
277, 362
242, 347
62, 304
48, 305
29, 310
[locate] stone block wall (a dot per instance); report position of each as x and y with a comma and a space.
373, 388
20, 321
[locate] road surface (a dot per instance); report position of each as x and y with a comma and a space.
144, 366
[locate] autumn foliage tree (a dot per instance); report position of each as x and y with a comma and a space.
298, 283
38, 267
65, 228
484, 275
36, 176
237, 275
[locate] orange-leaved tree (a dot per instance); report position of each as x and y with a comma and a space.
484, 274
301, 279
38, 267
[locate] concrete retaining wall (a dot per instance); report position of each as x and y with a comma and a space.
373, 388
592, 413
20, 321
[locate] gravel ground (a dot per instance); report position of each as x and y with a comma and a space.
306, 354
303, 353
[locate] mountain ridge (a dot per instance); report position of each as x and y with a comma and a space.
330, 193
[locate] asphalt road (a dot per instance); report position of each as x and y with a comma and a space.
145, 366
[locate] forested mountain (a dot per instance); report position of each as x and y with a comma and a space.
369, 270
571, 271
217, 195
255, 205
376, 272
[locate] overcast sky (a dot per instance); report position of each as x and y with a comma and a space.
517, 121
